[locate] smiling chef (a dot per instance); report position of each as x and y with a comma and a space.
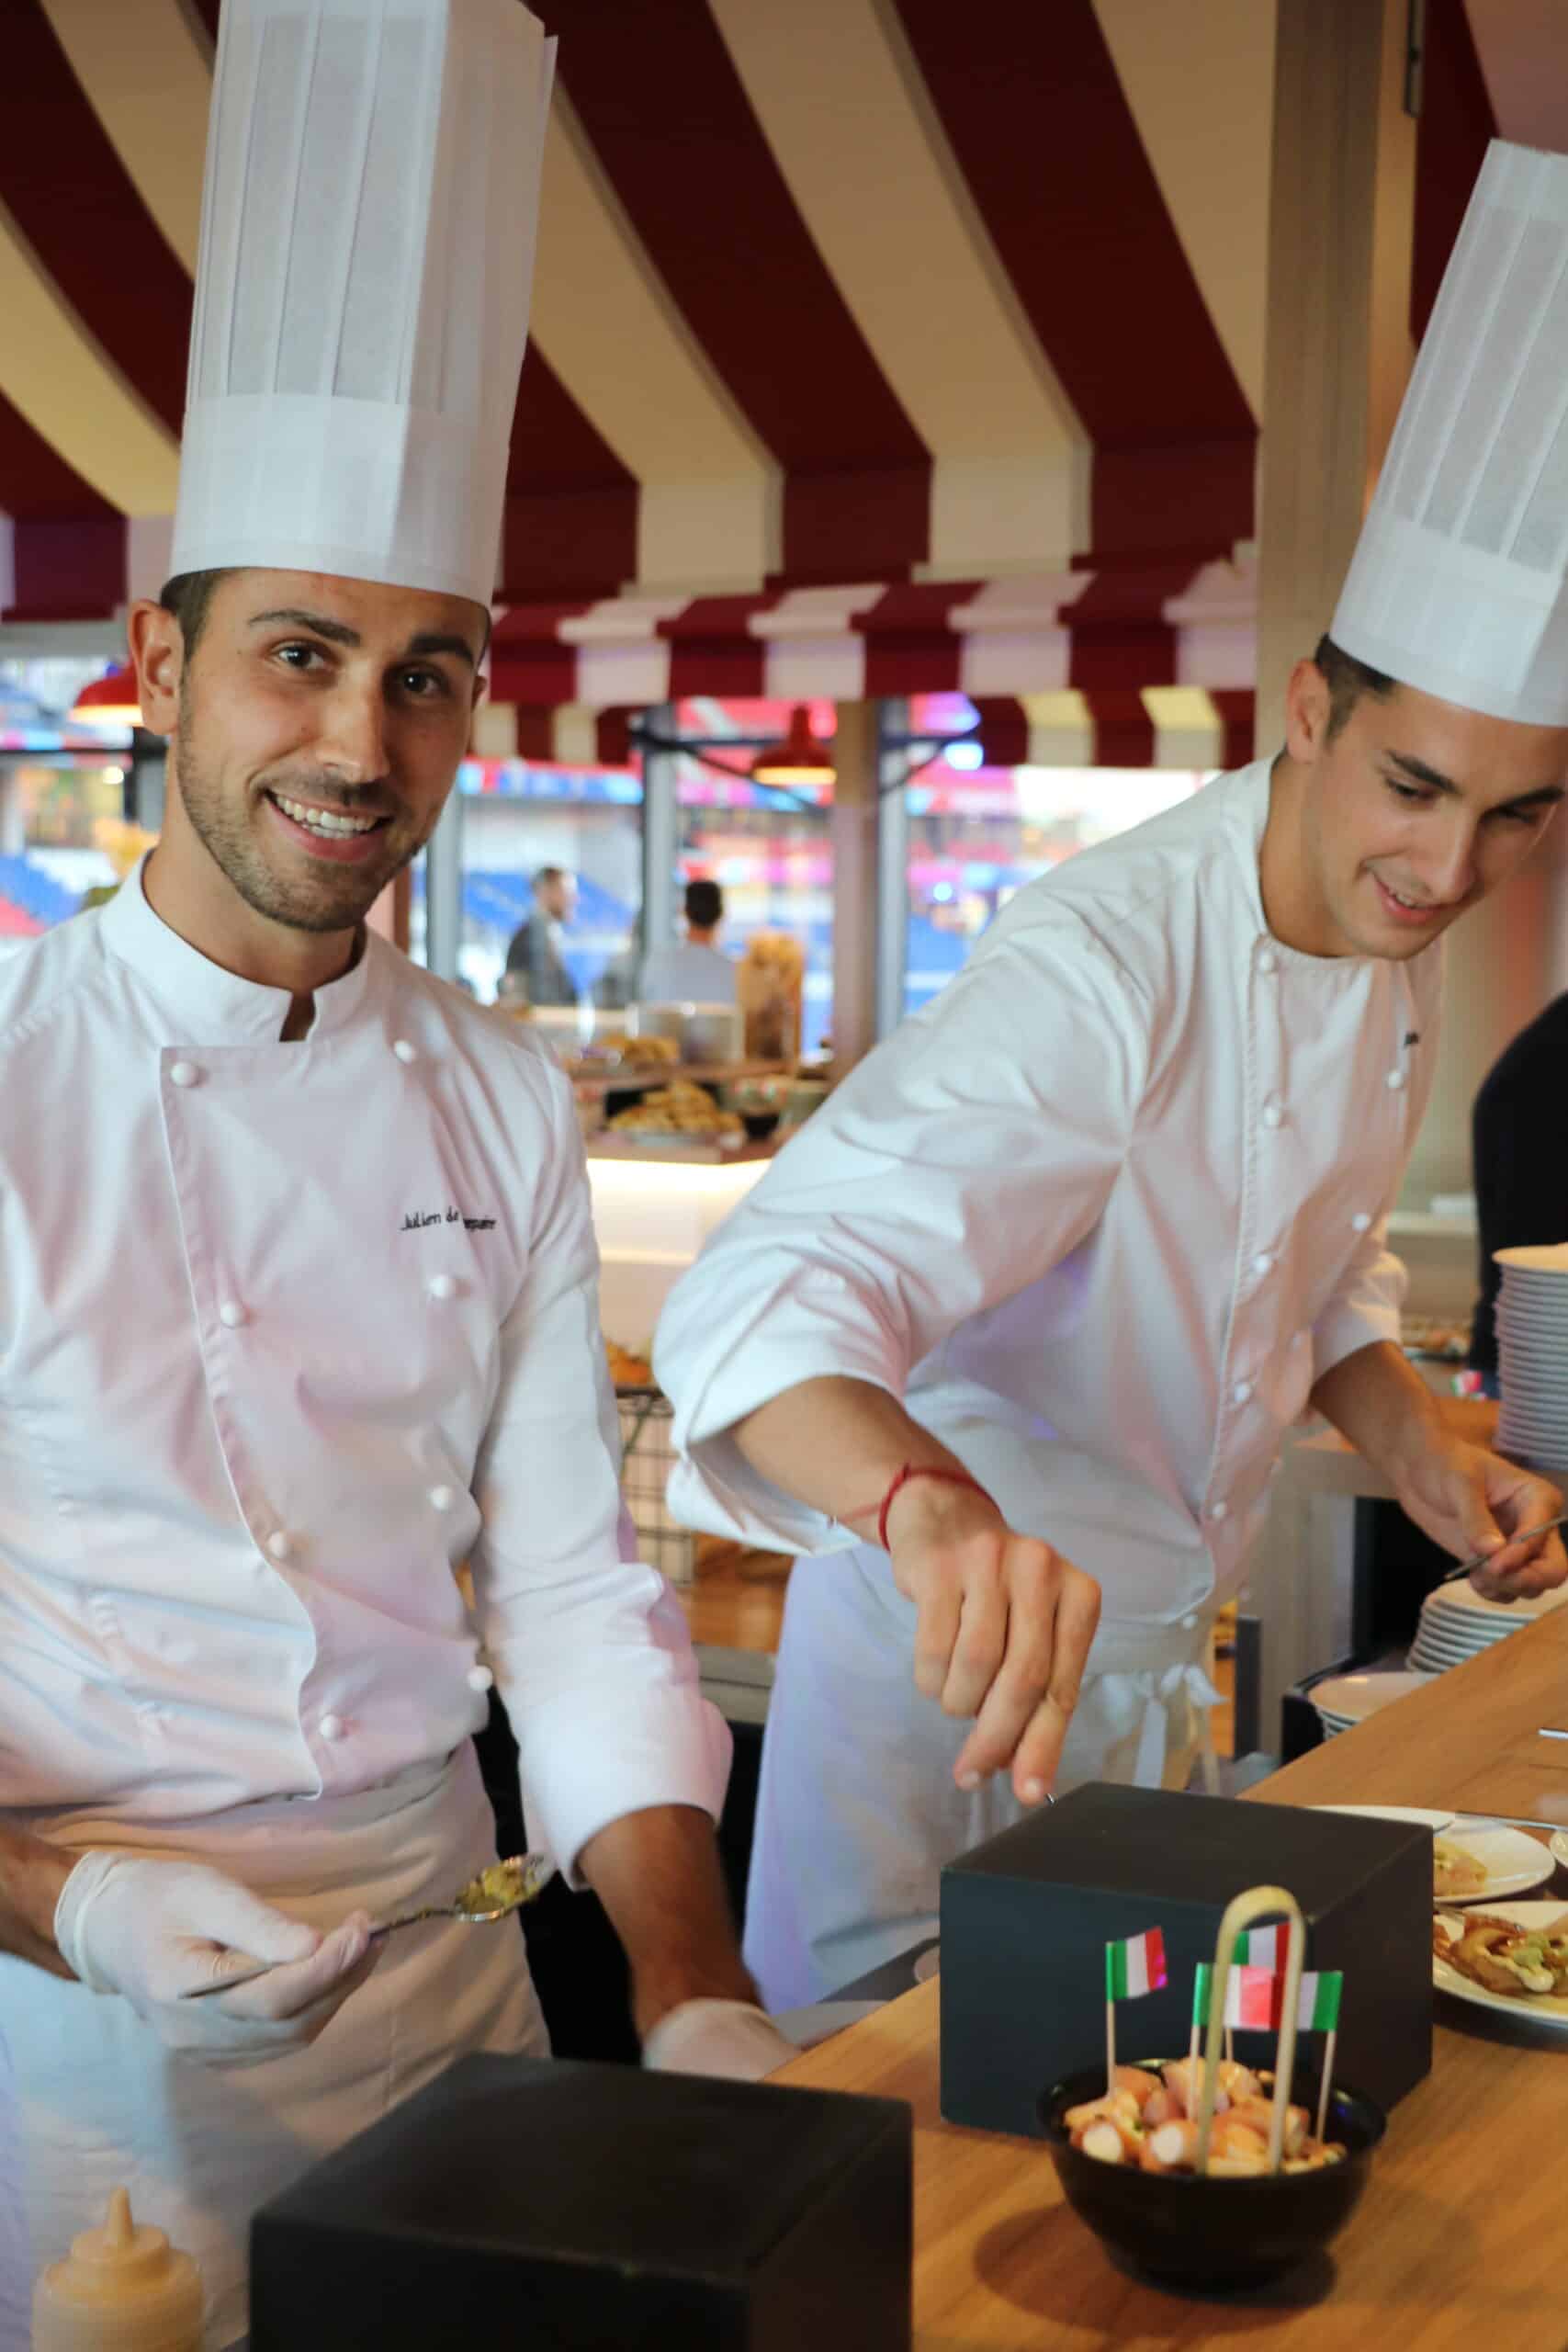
1012, 1332
299, 1286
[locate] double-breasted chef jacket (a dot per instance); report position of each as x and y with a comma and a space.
1100, 1214
288, 1331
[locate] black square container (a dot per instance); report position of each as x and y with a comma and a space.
570, 2207
1026, 1917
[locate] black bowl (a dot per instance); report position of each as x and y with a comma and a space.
1215, 2232
759, 1124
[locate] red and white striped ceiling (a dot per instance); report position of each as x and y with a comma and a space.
877, 344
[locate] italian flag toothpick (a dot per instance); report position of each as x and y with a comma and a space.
1134, 1967
1264, 1947
1131, 1967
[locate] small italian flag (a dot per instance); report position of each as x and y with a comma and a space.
1134, 1967
1264, 1947
1255, 2000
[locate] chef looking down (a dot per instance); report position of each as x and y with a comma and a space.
300, 1294
1009, 1338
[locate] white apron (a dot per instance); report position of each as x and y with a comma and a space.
857, 1810
201, 2145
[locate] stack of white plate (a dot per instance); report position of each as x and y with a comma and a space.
1532, 1357
1457, 1624
1347, 1699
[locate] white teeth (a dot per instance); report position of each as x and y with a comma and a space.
321, 821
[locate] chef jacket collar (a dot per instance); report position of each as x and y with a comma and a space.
206, 1005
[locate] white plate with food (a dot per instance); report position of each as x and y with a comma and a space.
1505, 1958
1486, 1865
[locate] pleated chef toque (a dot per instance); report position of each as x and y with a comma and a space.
1457, 584
366, 257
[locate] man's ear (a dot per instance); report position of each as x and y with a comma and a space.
1309, 709
157, 655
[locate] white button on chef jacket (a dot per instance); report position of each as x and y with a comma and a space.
1042, 1198
145, 1476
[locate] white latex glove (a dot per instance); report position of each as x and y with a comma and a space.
729, 2037
154, 1931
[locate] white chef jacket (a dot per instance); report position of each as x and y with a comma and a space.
1100, 1214
287, 1332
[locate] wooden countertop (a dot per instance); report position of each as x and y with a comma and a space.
1458, 2239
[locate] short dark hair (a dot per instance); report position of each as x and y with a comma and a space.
1348, 681
188, 597
704, 904
549, 874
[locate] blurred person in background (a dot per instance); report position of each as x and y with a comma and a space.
699, 972
535, 949
1519, 1141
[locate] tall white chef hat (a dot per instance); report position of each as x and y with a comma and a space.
362, 295
1459, 581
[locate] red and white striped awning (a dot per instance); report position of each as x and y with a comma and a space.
1116, 669
965, 305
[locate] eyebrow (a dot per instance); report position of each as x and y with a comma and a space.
338, 633
1419, 773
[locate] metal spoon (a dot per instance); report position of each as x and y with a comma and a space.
494, 1893
1480, 1559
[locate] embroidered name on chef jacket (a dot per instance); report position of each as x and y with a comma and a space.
417, 1219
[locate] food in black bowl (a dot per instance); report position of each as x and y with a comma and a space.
1207, 2231
759, 1124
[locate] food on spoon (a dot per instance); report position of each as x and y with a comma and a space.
1456, 1872
1520, 1964
497, 1885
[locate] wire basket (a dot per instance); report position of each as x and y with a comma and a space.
647, 1459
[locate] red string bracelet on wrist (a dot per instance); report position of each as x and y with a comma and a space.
901, 1479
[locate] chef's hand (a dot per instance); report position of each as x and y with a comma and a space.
730, 2037
156, 1930
1003, 1630
1469, 1501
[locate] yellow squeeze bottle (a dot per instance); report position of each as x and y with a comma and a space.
121, 2289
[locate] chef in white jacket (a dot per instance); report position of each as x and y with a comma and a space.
1008, 1339
299, 1284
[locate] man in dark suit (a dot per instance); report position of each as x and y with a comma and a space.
535, 949
1519, 1136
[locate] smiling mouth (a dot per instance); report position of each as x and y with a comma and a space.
330, 824
1408, 906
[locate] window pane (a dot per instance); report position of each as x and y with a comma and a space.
977, 836
519, 816
769, 850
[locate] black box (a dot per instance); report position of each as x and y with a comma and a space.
564, 2205
1026, 1917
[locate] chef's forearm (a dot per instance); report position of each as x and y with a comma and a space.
658, 1875
32, 1873
1377, 1399
837, 1444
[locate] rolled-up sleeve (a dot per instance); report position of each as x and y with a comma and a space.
963, 1159
590, 1650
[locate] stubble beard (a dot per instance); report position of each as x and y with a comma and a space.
338, 897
